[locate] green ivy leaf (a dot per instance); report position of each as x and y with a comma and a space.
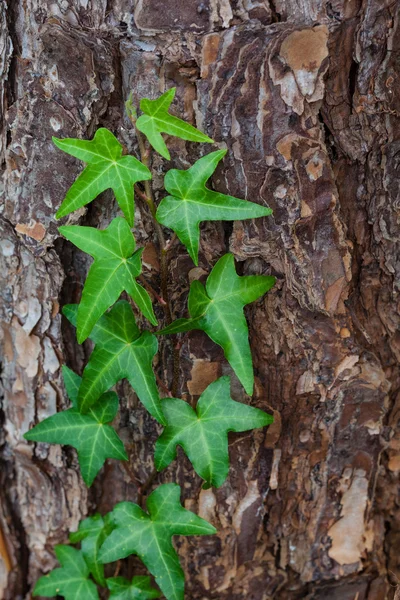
139, 588
94, 440
217, 309
107, 168
114, 270
203, 433
157, 120
70, 581
91, 533
121, 351
191, 202
149, 536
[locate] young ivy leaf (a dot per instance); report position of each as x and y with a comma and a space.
91, 533
217, 309
191, 202
139, 588
157, 120
107, 168
121, 351
149, 536
71, 580
94, 440
203, 433
115, 268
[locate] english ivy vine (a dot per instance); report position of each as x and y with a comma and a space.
123, 351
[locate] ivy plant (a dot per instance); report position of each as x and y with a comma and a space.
156, 120
190, 202
89, 433
115, 269
122, 350
139, 588
217, 309
91, 534
149, 536
107, 168
71, 580
203, 433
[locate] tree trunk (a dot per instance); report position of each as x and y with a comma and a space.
305, 95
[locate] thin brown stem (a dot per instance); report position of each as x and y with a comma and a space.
151, 290
141, 194
148, 198
176, 359
163, 386
117, 569
143, 488
183, 339
170, 244
130, 473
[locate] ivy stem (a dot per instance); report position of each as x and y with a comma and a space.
171, 243
152, 291
143, 488
148, 198
163, 386
130, 473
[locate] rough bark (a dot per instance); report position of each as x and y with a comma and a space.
305, 95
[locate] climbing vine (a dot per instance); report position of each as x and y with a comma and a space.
123, 351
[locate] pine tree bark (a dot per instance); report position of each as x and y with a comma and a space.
305, 96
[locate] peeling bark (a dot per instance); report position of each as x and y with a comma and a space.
305, 96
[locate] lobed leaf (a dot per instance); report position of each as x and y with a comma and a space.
191, 202
203, 433
71, 580
157, 120
121, 351
90, 434
107, 168
115, 269
149, 536
139, 588
217, 309
91, 534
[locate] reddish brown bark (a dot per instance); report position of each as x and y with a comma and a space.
305, 96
